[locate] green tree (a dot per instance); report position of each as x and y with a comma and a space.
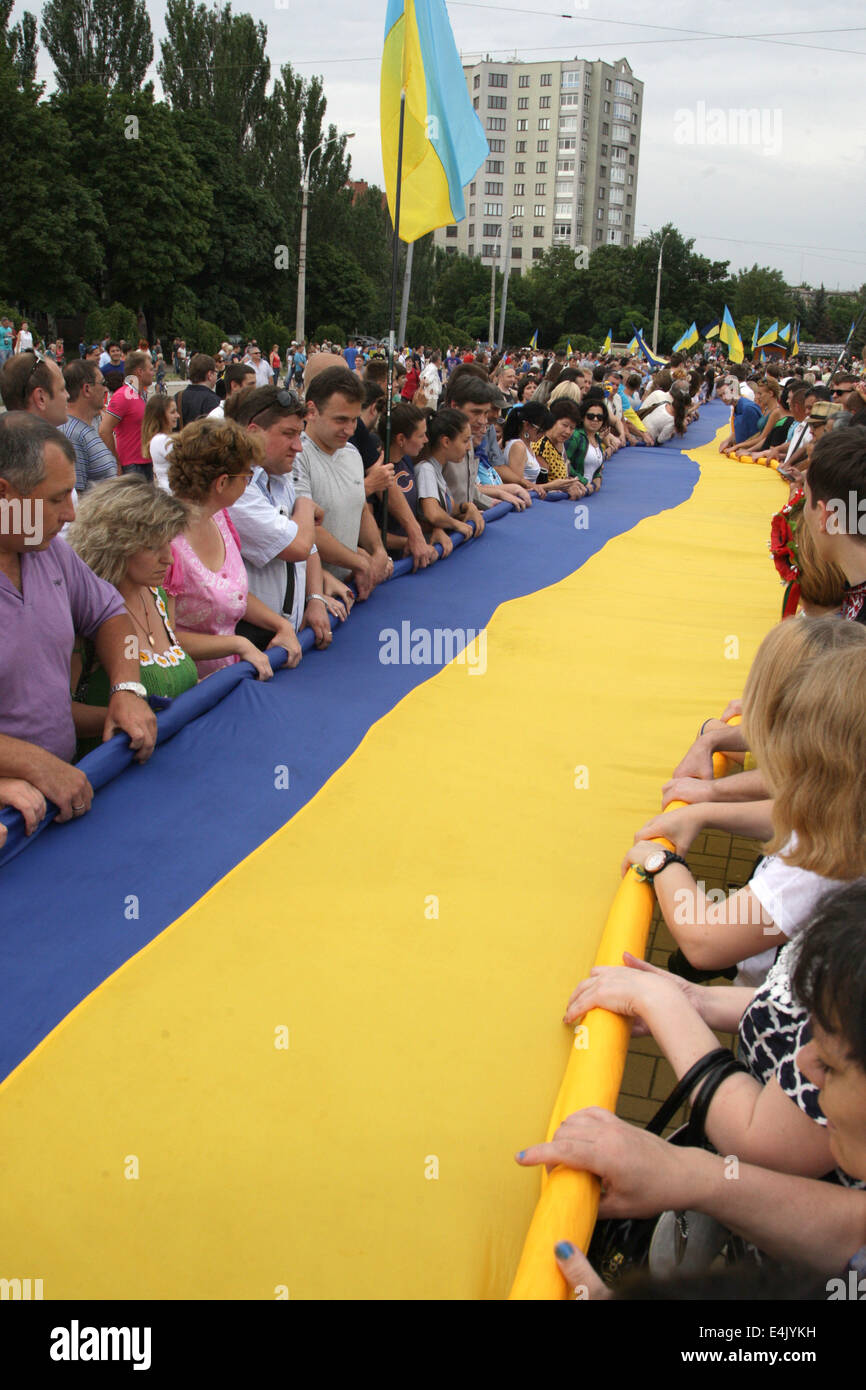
339, 290
762, 293
51, 224
107, 42
20, 42
214, 61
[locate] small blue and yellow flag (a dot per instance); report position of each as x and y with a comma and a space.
730, 337
785, 333
795, 346
533, 342
771, 335
689, 338
756, 335
633, 347
605, 347
711, 330
654, 362
443, 141
569, 350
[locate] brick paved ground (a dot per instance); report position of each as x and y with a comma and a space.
721, 861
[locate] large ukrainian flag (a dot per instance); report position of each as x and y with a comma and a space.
443, 141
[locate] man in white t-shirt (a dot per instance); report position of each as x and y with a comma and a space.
264, 375
330, 471
237, 376
275, 527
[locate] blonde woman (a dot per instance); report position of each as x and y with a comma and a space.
211, 463
814, 817
123, 530
157, 435
812, 751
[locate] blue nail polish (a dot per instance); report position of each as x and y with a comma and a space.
564, 1250
522, 1153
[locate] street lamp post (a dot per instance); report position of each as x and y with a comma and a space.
506, 271
493, 287
302, 250
658, 295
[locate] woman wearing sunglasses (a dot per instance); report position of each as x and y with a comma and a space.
585, 449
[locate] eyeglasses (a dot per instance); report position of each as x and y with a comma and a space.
286, 400
841, 390
37, 363
593, 417
249, 477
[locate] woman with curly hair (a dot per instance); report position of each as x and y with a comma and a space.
123, 530
211, 463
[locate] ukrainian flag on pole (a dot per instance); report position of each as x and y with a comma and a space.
689, 338
533, 342
605, 347
633, 347
654, 362
756, 335
730, 337
443, 141
771, 335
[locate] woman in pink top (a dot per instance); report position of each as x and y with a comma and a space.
210, 465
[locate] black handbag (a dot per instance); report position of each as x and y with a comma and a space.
621, 1245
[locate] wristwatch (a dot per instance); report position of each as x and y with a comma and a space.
134, 688
658, 861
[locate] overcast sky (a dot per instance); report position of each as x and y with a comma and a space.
785, 190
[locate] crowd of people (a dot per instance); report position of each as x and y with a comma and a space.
149, 541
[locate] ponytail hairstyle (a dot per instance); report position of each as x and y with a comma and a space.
405, 419
533, 413
155, 420
445, 424
681, 402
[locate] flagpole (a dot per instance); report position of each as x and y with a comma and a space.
395, 266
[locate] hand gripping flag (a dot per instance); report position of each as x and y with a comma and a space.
443, 142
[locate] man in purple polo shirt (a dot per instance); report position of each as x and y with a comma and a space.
47, 595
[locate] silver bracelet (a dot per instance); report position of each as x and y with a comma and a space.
320, 597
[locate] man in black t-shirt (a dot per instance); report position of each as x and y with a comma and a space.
199, 398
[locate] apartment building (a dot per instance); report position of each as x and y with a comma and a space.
564, 143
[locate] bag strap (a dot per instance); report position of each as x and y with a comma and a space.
681, 1092
702, 1101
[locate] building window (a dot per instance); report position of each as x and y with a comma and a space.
617, 196
607, 84
567, 145
495, 166
599, 214
519, 189
628, 200
571, 79
497, 79
570, 99
617, 174
602, 171
523, 80
520, 147
567, 123
621, 112
620, 134
584, 125
472, 190
495, 123
496, 146
471, 228
614, 217
516, 253
492, 209
523, 125
631, 161
490, 229
604, 149
477, 81
562, 230
537, 253
451, 250
633, 139
523, 103
587, 103
623, 89
491, 249
491, 187
562, 210
540, 190
626, 241
598, 233
544, 103
565, 166
450, 231
636, 98
538, 231
541, 166
546, 79
497, 103
634, 119
471, 209
470, 249
563, 190
517, 231
631, 180
614, 236
628, 219
520, 167
540, 210
475, 103
544, 123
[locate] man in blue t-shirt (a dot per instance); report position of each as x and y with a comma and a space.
745, 415
350, 353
